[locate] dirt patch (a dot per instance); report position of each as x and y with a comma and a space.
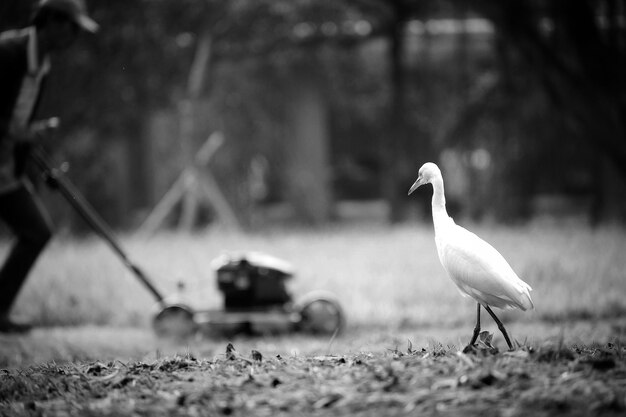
550, 380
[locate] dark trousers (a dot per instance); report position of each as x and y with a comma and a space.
23, 212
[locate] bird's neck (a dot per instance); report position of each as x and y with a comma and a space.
440, 215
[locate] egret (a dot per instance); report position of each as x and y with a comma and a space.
477, 268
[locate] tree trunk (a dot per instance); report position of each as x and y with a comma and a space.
580, 64
394, 147
140, 184
14, 13
308, 177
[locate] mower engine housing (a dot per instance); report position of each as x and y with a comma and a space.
252, 280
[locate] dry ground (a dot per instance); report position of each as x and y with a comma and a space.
541, 381
367, 371
400, 355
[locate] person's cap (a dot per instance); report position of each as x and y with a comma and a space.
75, 10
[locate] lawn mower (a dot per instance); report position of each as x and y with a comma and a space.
256, 299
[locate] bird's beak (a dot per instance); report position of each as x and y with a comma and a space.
418, 182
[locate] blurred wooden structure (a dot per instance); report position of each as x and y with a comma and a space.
194, 186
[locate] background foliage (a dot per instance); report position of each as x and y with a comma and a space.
521, 102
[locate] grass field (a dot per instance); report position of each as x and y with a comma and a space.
388, 279
383, 275
95, 353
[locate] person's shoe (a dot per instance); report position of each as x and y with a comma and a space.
9, 326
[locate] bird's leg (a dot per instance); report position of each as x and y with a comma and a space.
500, 326
477, 328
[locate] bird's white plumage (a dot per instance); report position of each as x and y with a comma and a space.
480, 271
476, 267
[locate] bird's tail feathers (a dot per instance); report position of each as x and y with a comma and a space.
526, 303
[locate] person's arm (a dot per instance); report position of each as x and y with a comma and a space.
11, 72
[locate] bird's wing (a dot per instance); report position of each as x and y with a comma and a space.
479, 270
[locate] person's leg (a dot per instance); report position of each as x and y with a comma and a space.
24, 214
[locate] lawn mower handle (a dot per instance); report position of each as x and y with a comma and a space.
59, 182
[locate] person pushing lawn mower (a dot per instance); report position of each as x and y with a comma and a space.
24, 65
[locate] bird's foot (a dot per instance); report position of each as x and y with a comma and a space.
469, 349
479, 348
482, 346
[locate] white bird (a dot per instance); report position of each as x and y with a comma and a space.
476, 267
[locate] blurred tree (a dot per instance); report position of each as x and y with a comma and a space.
353, 94
576, 49
106, 87
14, 14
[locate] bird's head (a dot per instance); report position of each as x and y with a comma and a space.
427, 173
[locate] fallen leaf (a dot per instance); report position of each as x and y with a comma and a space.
327, 401
466, 359
256, 355
231, 352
